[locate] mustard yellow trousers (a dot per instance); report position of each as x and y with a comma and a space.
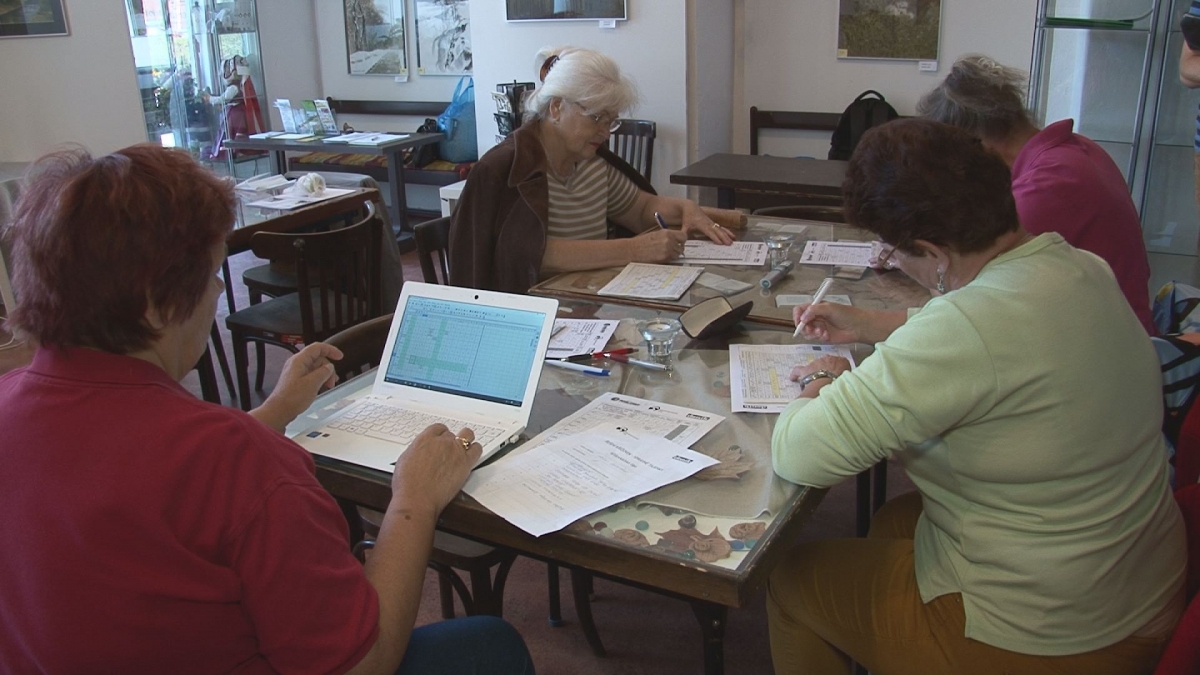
835, 600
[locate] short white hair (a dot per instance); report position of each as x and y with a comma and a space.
582, 76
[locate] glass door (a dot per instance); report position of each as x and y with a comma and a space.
1168, 204
199, 69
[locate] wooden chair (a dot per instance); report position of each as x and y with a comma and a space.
338, 281
362, 348
278, 278
827, 214
633, 141
433, 245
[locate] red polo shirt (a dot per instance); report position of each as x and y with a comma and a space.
147, 531
1065, 183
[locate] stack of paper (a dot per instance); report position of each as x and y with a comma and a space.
615, 448
265, 135
295, 137
378, 139
853, 253
660, 282
579, 336
289, 201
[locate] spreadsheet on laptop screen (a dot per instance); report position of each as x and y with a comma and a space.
465, 349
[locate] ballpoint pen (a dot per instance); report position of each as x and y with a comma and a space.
601, 355
571, 365
621, 358
661, 223
817, 297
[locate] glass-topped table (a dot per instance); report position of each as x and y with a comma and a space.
871, 290
709, 542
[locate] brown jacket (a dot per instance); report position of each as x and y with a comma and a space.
498, 231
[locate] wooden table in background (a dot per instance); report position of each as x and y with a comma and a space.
783, 175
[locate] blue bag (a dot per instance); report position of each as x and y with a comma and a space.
458, 124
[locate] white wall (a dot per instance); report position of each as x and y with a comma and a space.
651, 48
286, 29
788, 61
80, 88
339, 83
710, 77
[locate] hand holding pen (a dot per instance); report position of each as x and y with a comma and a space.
805, 314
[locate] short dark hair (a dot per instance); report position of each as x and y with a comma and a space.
96, 241
919, 179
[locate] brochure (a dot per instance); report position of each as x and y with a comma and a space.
312, 119
285, 114
326, 114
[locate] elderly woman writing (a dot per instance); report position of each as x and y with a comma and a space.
150, 531
539, 202
1063, 182
1024, 403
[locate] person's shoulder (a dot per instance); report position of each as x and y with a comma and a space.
233, 440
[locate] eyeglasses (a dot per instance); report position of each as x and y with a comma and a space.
606, 121
885, 260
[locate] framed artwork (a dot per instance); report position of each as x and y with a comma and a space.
32, 18
375, 37
570, 10
889, 29
443, 31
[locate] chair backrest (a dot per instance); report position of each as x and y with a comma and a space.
433, 244
823, 213
337, 273
787, 119
361, 346
633, 141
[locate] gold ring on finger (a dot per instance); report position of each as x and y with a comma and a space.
466, 444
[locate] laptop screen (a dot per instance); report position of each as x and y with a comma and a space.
465, 349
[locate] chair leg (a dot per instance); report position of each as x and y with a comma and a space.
241, 365
879, 489
208, 378
555, 602
464, 594
260, 349
583, 609
862, 518
446, 596
218, 346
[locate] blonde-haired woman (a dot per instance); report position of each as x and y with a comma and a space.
540, 202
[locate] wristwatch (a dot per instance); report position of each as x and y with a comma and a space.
808, 379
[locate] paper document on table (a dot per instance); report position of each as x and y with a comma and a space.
723, 285
289, 201
548, 488
675, 423
378, 139
776, 226
701, 252
760, 375
579, 336
660, 282
855, 253
804, 299
265, 134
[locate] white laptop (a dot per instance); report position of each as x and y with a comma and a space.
458, 356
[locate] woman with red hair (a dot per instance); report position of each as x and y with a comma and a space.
149, 531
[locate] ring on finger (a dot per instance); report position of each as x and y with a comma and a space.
465, 443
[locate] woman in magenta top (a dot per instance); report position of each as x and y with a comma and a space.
1062, 182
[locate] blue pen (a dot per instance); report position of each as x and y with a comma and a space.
662, 223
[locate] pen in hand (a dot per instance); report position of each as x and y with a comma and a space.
661, 223
818, 297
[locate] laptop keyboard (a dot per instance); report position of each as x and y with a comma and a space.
400, 425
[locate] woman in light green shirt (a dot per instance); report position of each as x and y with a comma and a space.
1024, 402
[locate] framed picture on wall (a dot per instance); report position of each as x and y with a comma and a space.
889, 29
375, 37
32, 18
443, 32
569, 10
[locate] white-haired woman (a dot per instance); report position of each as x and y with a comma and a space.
1063, 182
540, 202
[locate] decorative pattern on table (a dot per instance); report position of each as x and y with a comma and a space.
688, 537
